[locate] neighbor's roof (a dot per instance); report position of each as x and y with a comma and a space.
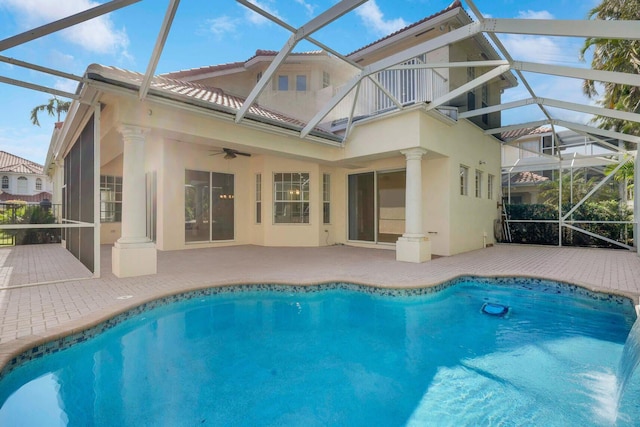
36, 198
519, 133
198, 94
524, 178
12, 163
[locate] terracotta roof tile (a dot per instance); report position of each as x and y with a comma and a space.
36, 198
231, 65
518, 133
12, 163
524, 178
197, 91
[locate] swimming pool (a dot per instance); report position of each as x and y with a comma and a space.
338, 354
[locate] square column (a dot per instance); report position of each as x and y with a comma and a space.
134, 254
414, 245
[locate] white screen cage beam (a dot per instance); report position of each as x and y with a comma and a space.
64, 23
320, 21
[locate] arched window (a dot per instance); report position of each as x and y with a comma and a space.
38, 184
22, 185
5, 182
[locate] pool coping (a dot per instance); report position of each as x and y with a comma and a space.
23, 349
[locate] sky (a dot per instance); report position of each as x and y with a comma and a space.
220, 31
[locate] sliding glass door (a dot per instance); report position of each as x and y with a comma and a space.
377, 206
209, 206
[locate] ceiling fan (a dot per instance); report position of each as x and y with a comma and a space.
230, 153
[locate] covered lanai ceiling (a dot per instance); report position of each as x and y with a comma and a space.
489, 29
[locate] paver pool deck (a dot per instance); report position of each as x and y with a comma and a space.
33, 312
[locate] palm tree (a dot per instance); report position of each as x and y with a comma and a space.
624, 176
53, 107
615, 55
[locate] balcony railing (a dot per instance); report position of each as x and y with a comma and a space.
411, 86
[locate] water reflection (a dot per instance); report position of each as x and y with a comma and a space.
322, 358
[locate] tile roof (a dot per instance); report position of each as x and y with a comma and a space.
36, 198
231, 65
12, 163
523, 178
207, 96
452, 6
518, 133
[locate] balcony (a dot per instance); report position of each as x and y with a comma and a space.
407, 86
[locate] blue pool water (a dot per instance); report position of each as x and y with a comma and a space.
342, 355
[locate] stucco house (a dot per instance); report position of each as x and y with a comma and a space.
22, 179
319, 155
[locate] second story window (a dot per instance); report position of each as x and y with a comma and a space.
22, 185
283, 83
326, 79
301, 83
5, 182
38, 184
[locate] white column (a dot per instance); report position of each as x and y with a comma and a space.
133, 253
413, 246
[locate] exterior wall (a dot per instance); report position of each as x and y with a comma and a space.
469, 217
47, 184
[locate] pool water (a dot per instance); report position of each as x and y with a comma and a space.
342, 357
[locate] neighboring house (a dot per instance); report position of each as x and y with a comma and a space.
533, 155
196, 163
22, 179
522, 187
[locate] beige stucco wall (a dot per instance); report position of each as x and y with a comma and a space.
183, 139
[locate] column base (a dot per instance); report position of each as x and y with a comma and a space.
413, 249
134, 260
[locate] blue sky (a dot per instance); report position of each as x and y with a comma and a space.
220, 31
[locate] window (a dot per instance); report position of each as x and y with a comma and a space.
326, 198
478, 183
464, 178
471, 74
258, 198
258, 76
209, 203
490, 186
38, 184
326, 79
5, 182
283, 83
291, 198
301, 83
23, 185
110, 198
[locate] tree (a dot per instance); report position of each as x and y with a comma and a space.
53, 107
570, 196
624, 176
615, 55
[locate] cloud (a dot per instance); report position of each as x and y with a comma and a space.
222, 26
69, 86
26, 143
532, 14
373, 18
98, 35
533, 48
308, 6
257, 19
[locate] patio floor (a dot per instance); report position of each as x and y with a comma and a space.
30, 315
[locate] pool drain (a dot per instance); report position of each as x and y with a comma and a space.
498, 310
